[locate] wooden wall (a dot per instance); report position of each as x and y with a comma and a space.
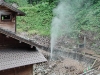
24, 70
8, 42
10, 25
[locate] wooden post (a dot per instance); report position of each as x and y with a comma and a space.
85, 41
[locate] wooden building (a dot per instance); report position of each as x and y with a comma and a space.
17, 54
8, 15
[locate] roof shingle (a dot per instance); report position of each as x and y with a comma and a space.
11, 58
19, 13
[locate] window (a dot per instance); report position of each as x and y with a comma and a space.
5, 17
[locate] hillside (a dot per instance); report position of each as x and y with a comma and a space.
37, 20
39, 17
88, 23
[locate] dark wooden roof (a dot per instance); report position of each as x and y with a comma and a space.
11, 58
19, 13
21, 39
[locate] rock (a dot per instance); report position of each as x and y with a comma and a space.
99, 68
39, 70
48, 70
53, 74
15, 5
45, 71
52, 65
39, 74
72, 68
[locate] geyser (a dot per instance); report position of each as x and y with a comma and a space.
64, 18
61, 23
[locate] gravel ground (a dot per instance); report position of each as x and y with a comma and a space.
63, 66
40, 40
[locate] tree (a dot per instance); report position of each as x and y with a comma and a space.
50, 1
19, 2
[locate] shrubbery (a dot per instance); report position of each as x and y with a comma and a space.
37, 20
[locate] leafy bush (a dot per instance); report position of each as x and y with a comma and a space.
37, 20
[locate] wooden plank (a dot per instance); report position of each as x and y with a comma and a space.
96, 64
24, 70
8, 24
8, 42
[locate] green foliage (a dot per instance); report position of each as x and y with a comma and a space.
19, 2
22, 3
88, 18
38, 17
37, 20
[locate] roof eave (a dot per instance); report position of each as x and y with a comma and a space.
19, 12
23, 14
